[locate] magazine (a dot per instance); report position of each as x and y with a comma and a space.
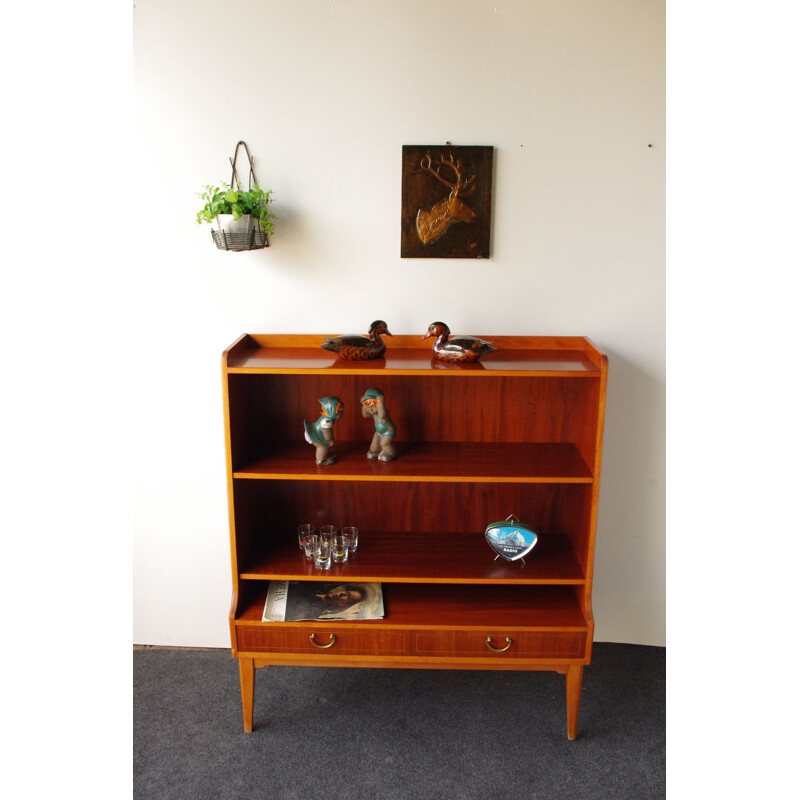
291, 601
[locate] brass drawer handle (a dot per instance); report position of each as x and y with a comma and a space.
323, 646
501, 649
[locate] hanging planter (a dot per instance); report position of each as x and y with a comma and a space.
241, 219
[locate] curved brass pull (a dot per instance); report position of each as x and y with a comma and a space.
313, 638
496, 649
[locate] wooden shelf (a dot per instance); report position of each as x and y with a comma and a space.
428, 461
526, 356
412, 362
427, 558
457, 606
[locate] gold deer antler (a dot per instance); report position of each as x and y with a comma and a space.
460, 187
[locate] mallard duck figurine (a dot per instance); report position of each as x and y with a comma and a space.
320, 433
354, 347
457, 348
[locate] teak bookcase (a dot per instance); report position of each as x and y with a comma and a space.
519, 432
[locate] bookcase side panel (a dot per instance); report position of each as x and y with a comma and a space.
584, 400
245, 399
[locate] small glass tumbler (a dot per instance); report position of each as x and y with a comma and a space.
340, 547
352, 537
327, 532
322, 554
310, 545
302, 531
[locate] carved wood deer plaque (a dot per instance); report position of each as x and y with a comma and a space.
447, 201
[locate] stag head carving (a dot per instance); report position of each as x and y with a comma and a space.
431, 224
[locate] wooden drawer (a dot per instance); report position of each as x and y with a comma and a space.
525, 644
263, 639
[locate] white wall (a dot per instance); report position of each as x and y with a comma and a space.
570, 94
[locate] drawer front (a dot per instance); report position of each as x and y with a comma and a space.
525, 644
299, 640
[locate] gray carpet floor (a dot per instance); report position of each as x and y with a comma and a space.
397, 734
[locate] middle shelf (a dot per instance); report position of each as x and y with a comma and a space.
412, 557
494, 462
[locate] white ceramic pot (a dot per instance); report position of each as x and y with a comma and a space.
244, 224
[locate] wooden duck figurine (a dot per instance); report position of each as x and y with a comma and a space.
459, 348
320, 433
354, 347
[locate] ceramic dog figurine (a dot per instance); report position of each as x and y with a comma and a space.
320, 433
373, 404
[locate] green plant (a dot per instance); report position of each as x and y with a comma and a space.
227, 200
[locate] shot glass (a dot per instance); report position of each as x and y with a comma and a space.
327, 532
340, 547
309, 545
351, 534
322, 554
302, 531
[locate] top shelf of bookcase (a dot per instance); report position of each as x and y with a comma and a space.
409, 355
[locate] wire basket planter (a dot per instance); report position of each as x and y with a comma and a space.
255, 240
245, 233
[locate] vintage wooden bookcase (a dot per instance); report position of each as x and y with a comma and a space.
519, 432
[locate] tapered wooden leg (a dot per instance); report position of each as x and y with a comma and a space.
246, 675
574, 682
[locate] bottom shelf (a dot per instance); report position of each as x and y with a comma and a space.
449, 606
